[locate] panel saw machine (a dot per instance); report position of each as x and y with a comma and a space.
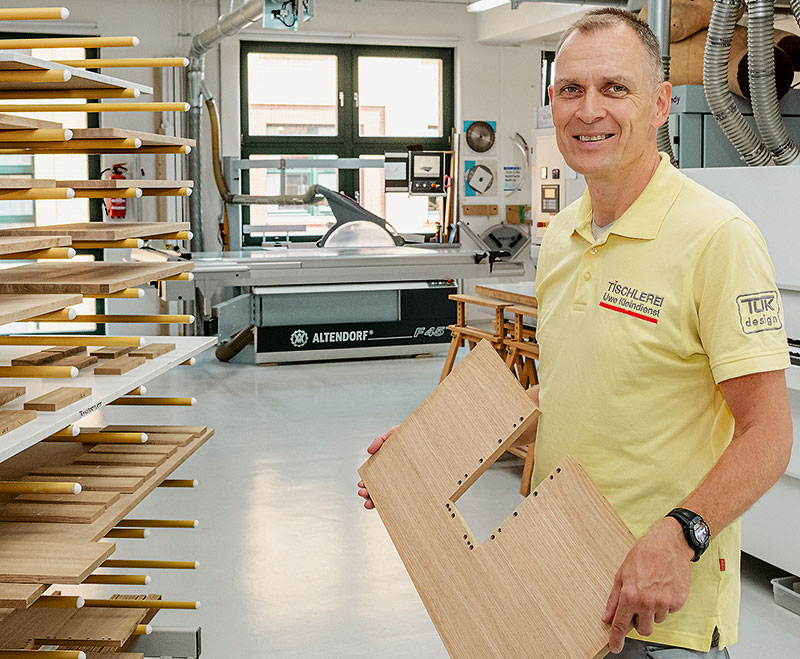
362, 290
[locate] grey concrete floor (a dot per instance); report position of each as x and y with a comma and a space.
291, 564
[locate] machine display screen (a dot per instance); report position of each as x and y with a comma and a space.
427, 166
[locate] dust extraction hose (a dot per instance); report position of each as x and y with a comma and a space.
715, 85
761, 74
213, 116
229, 349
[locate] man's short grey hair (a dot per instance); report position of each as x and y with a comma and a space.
608, 17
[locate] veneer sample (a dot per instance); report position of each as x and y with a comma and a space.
58, 398
7, 394
134, 449
68, 471
119, 365
121, 485
13, 419
88, 498
111, 352
32, 561
153, 350
61, 513
122, 459
19, 595
22, 307
78, 361
36, 358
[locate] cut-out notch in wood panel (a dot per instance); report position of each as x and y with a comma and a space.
537, 587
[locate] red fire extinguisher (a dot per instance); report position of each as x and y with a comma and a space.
115, 208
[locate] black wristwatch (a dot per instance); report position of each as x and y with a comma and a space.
695, 530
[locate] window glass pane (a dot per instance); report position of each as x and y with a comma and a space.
405, 213
306, 220
399, 97
291, 95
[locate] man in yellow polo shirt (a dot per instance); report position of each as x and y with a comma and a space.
662, 349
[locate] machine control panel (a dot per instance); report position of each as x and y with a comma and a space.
427, 173
440, 283
551, 199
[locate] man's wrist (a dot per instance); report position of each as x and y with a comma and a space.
679, 539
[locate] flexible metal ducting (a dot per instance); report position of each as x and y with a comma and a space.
658, 17
761, 74
715, 84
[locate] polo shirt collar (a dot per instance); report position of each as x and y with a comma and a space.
645, 216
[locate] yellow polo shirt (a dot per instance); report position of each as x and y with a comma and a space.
635, 331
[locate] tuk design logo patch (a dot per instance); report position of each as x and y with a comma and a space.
759, 312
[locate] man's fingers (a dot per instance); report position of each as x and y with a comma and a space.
611, 604
620, 626
660, 615
372, 449
362, 492
360, 484
644, 623
368, 504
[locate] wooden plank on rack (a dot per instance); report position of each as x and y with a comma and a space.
14, 308
84, 277
195, 431
58, 398
106, 627
93, 470
96, 483
134, 449
14, 122
78, 361
86, 498
19, 595
110, 231
18, 631
122, 459
113, 184
112, 352
32, 561
7, 394
13, 419
148, 139
153, 350
119, 365
60, 513
36, 358
66, 351
26, 183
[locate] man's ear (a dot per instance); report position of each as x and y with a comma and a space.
663, 102
550, 93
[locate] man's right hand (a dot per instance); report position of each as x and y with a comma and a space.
372, 449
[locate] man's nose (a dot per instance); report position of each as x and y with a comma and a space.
591, 108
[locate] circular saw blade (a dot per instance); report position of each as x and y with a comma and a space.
480, 136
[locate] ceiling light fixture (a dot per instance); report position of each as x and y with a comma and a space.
483, 5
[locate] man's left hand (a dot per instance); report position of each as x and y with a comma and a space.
651, 583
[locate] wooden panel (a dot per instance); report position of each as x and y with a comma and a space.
111, 352
17, 244
148, 139
13, 419
19, 628
31, 561
96, 483
171, 439
112, 184
84, 277
23, 183
195, 431
83, 498
537, 587
94, 626
153, 350
78, 361
7, 394
22, 307
67, 351
61, 513
119, 365
19, 595
13, 122
36, 358
102, 230
122, 459
93, 470
134, 449
58, 398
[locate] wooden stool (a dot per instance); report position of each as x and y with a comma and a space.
463, 333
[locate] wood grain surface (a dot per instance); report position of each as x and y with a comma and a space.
83, 277
18, 244
61, 513
78, 361
111, 184
93, 470
19, 595
148, 139
14, 122
21, 307
153, 350
58, 398
111, 352
537, 587
119, 365
82, 498
36, 358
29, 561
7, 394
102, 230
13, 419
134, 449
122, 459
96, 483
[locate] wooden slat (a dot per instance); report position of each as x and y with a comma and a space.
18, 630
30, 561
78, 361
122, 459
119, 365
95, 627
84, 277
111, 352
14, 122
552, 560
14, 308
67, 351
7, 394
61, 513
170, 439
153, 350
102, 230
148, 139
58, 398
517, 297
13, 419
195, 431
36, 358
112, 184
96, 483
93, 470
86, 498
19, 595
480, 301
134, 449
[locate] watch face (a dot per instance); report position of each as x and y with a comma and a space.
701, 532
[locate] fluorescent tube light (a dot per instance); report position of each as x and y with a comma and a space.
483, 5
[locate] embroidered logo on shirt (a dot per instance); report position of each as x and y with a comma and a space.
759, 312
632, 302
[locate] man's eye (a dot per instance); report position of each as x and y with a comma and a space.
570, 89
617, 89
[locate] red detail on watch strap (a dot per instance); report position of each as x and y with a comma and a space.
722, 565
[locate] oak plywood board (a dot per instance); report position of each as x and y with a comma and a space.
87, 498
94, 627
122, 459
119, 365
20, 244
153, 350
60, 513
148, 139
112, 352
96, 483
21, 307
19, 628
40, 358
537, 587
13, 122
195, 431
19, 595
78, 361
169, 439
67, 351
117, 184
134, 449
13, 419
85, 277
31, 561
23, 183
7, 394
68, 471
58, 398
102, 230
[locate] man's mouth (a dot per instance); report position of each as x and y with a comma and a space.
593, 138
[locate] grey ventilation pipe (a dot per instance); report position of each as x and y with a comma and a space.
226, 26
715, 84
658, 18
761, 75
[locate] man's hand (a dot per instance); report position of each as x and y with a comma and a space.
651, 583
372, 449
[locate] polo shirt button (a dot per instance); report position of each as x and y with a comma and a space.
587, 276
593, 250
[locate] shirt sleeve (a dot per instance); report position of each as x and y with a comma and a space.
738, 306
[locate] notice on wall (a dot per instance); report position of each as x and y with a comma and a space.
512, 176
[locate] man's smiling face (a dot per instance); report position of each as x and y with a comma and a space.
606, 104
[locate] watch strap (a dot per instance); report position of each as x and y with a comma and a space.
688, 520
